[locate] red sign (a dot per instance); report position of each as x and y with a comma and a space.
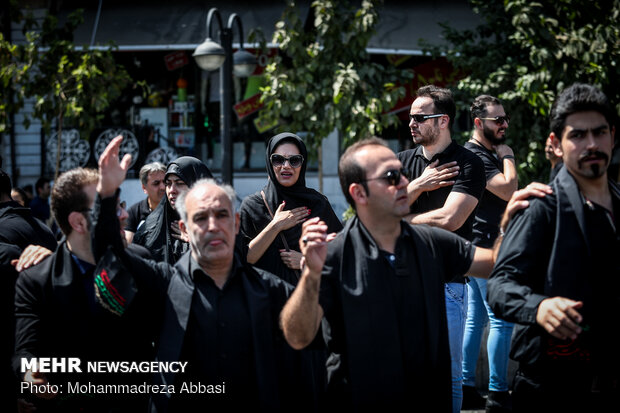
248, 106
176, 60
437, 72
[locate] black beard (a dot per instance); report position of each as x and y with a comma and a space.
490, 136
596, 169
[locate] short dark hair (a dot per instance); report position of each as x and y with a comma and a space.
68, 195
41, 183
5, 183
442, 99
579, 97
350, 171
478, 108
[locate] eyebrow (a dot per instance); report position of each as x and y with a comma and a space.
176, 181
596, 129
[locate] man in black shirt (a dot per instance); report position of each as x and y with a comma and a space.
487, 141
19, 230
152, 180
450, 207
56, 314
557, 270
381, 285
218, 314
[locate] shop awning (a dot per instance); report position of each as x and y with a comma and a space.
172, 25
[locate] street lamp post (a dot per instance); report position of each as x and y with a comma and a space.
211, 56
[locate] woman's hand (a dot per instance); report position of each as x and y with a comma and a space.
175, 232
291, 259
288, 219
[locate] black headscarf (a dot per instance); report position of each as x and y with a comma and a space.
255, 217
154, 234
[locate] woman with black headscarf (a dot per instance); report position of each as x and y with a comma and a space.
160, 231
271, 219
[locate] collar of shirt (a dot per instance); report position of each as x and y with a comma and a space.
195, 270
85, 267
443, 154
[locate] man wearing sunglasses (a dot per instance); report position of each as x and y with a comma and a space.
487, 141
380, 286
446, 183
557, 270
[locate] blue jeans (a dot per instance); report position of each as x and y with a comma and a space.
456, 312
498, 342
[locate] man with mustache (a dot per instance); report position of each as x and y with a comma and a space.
487, 141
557, 271
447, 182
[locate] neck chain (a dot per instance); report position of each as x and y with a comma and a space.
479, 143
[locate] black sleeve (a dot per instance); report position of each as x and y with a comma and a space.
29, 302
490, 167
148, 274
134, 218
455, 253
471, 178
518, 277
8, 252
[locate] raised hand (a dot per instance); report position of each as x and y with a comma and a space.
288, 219
112, 172
313, 244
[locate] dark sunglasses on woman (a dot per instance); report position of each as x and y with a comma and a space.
278, 160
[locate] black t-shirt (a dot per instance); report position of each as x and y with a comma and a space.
470, 180
491, 207
137, 214
394, 287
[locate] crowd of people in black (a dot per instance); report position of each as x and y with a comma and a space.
282, 306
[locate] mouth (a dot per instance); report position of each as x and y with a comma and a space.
285, 174
593, 158
214, 243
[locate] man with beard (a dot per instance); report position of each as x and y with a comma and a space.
438, 201
56, 311
490, 124
554, 160
557, 270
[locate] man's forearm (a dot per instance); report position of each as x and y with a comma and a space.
302, 313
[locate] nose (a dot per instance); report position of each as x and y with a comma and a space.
212, 225
403, 182
591, 141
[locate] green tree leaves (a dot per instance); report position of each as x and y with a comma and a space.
526, 52
323, 78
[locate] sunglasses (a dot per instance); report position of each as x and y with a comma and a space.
278, 160
499, 120
419, 118
392, 176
